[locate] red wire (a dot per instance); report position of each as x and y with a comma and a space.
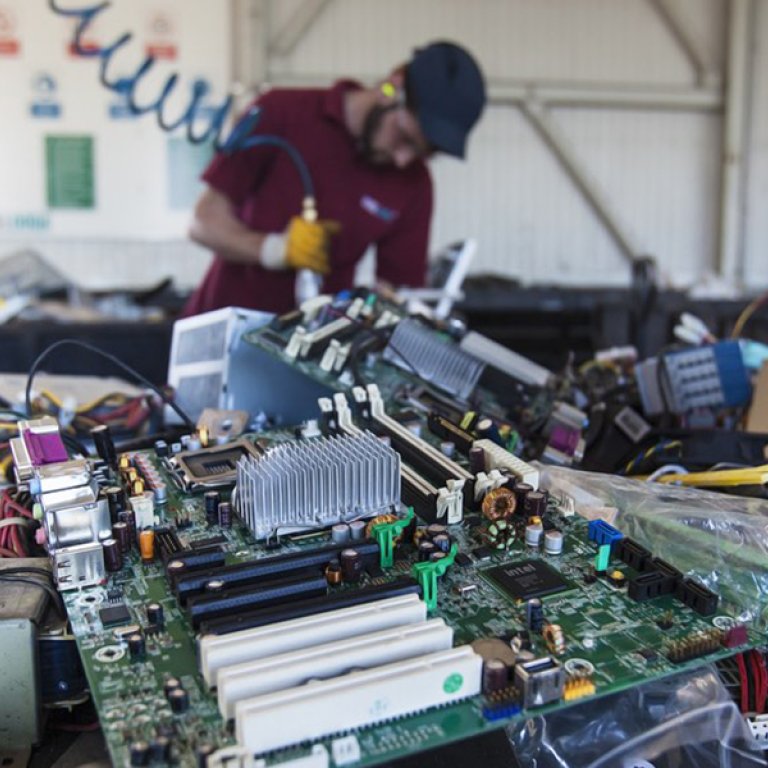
7, 552
744, 683
762, 687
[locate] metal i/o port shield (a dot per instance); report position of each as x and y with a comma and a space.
540, 681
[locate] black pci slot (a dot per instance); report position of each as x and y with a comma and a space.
234, 601
291, 563
310, 607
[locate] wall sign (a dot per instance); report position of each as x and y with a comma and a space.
9, 39
69, 171
161, 37
45, 102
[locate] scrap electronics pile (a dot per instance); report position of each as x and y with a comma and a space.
398, 535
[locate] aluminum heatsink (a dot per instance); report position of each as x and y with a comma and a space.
317, 483
417, 349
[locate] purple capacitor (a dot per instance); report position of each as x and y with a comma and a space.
536, 503
122, 534
113, 557
476, 460
521, 492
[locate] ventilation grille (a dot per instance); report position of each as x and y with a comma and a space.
313, 484
204, 344
420, 350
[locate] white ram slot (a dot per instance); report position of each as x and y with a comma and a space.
363, 698
497, 457
217, 651
287, 670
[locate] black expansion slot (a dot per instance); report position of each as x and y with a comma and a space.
253, 571
447, 430
234, 601
341, 599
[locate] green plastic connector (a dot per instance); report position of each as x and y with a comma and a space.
427, 574
386, 533
603, 558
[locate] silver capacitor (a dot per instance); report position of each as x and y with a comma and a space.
340, 534
533, 534
553, 542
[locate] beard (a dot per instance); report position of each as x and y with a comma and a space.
371, 127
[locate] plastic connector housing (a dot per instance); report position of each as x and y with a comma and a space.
603, 533
634, 555
697, 597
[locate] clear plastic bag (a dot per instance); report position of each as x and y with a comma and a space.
720, 540
684, 721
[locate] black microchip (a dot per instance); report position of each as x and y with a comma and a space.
482, 553
462, 560
114, 615
648, 654
527, 579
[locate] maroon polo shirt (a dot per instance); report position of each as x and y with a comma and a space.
380, 205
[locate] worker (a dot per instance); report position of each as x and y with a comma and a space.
365, 150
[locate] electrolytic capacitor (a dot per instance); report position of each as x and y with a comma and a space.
212, 500
536, 503
340, 534
176, 568
495, 676
139, 753
436, 529
521, 492
333, 574
225, 514
534, 615
476, 460
161, 449
115, 501
357, 530
155, 614
426, 548
447, 448
129, 518
113, 557
160, 749
136, 646
171, 684
147, 545
122, 534
105, 446
202, 753
178, 698
487, 430
553, 542
533, 534
443, 542
137, 487
160, 491
351, 565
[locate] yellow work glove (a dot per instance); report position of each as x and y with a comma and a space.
304, 245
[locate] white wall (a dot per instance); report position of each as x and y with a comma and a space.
658, 170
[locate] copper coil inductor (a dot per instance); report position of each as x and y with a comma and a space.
499, 504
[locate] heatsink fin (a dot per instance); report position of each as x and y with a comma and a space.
317, 483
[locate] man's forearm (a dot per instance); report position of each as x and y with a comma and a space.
232, 241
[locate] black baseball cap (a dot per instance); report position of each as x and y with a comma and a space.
445, 90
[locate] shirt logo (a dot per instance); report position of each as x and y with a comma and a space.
375, 208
